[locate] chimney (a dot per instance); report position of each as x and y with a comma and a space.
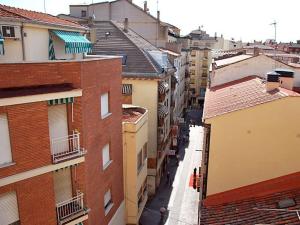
126, 25
286, 78
255, 51
158, 15
145, 6
272, 81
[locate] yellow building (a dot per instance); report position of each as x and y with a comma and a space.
135, 141
200, 59
251, 138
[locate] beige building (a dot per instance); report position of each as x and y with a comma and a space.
135, 144
251, 136
200, 59
146, 82
139, 19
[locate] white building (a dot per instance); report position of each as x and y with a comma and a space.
26, 36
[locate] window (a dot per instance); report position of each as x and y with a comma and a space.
145, 151
104, 105
105, 156
9, 208
5, 148
83, 13
202, 92
108, 203
139, 161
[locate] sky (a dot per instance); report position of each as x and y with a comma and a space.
245, 20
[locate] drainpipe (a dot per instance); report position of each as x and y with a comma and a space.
22, 42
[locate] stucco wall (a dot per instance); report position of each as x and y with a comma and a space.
100, 11
13, 51
76, 10
141, 97
254, 145
259, 65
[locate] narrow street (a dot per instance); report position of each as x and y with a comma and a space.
179, 198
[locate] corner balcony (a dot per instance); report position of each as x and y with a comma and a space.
71, 211
66, 148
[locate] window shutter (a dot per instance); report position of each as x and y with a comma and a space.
5, 148
104, 105
107, 198
8, 208
105, 154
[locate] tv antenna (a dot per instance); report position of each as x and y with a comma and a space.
45, 6
275, 39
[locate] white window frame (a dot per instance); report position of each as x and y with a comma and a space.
5, 134
105, 106
108, 202
106, 162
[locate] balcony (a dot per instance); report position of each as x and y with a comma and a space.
71, 209
66, 148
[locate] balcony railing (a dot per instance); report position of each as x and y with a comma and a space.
70, 209
65, 148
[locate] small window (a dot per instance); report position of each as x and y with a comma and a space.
108, 203
83, 13
104, 105
145, 151
105, 156
5, 148
139, 161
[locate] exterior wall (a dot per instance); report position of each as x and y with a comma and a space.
100, 77
35, 205
100, 11
13, 50
30, 143
254, 150
135, 136
259, 66
76, 11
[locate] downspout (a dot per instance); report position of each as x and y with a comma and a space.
22, 42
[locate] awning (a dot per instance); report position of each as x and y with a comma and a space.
1, 45
126, 89
162, 111
163, 87
61, 101
74, 41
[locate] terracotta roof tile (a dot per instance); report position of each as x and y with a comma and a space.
240, 94
17, 13
247, 211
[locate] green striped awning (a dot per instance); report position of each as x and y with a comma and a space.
61, 101
74, 41
1, 45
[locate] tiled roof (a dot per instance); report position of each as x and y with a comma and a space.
27, 15
249, 211
240, 94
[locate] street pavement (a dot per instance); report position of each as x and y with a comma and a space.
179, 198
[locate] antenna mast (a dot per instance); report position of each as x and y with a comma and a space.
275, 30
45, 6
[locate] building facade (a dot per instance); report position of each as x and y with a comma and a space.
139, 19
57, 166
135, 145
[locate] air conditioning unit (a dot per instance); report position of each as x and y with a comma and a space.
9, 31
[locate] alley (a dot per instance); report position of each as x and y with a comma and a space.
180, 199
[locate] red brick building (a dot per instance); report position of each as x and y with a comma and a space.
61, 142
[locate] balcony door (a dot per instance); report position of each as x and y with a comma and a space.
58, 128
62, 185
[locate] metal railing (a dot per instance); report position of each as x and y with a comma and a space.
69, 207
64, 148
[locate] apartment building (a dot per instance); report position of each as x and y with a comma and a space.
57, 166
135, 145
146, 79
252, 173
200, 60
22, 31
140, 20
230, 69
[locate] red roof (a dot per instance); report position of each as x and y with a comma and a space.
131, 115
249, 211
240, 94
22, 14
